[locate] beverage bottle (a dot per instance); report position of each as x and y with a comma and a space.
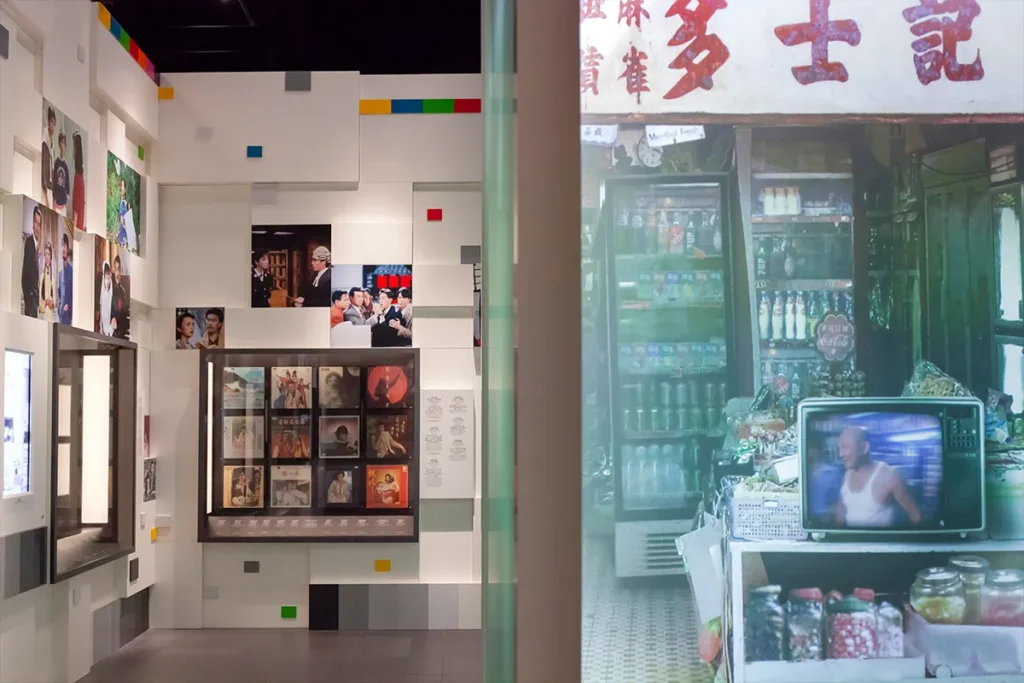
682, 394
664, 232
813, 313
834, 301
673, 473
623, 236
651, 232
637, 224
801, 317
847, 303
761, 261
629, 415
792, 201
782, 379
691, 466
764, 316
716, 237
778, 317
797, 384
767, 374
691, 233
771, 206
643, 474
642, 419
629, 472
790, 316
789, 261
776, 259
677, 236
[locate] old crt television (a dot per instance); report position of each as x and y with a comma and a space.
892, 466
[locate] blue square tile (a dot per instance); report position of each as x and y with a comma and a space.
254, 151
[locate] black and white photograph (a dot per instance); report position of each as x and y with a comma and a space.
339, 387
148, 480
290, 486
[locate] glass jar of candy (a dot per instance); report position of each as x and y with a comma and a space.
852, 629
805, 625
1002, 598
938, 595
972, 572
764, 625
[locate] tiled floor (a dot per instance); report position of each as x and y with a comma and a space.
295, 656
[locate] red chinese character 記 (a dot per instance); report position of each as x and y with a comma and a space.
591, 9
632, 11
704, 53
590, 59
635, 73
938, 38
819, 32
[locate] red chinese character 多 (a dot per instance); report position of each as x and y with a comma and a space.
635, 72
632, 11
591, 9
704, 53
938, 37
590, 60
819, 32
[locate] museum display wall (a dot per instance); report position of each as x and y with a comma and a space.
179, 180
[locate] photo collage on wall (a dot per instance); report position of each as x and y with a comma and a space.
199, 328
306, 439
47, 264
371, 298
113, 290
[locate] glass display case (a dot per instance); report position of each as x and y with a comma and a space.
17, 421
92, 484
309, 445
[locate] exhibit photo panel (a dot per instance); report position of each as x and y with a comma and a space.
371, 305
308, 445
92, 474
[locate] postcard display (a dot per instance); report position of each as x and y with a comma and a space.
316, 446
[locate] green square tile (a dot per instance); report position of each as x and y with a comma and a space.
438, 106
289, 612
126, 40
142, 153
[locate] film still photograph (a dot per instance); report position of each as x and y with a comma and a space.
389, 386
387, 486
63, 165
389, 436
145, 436
374, 296
290, 487
243, 486
113, 290
124, 204
339, 437
148, 480
339, 486
339, 386
243, 437
290, 436
199, 328
291, 266
291, 387
243, 388
47, 267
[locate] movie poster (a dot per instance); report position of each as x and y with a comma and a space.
124, 205
389, 386
291, 266
290, 436
340, 386
387, 486
389, 436
378, 297
47, 264
291, 486
113, 290
339, 486
243, 486
339, 437
63, 164
199, 328
148, 480
243, 388
291, 387
243, 437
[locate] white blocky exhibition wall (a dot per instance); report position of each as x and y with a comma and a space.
395, 188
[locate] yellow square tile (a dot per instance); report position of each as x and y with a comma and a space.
382, 565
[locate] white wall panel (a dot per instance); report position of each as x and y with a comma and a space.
369, 203
356, 562
461, 224
177, 597
307, 137
278, 328
21, 105
442, 333
421, 86
421, 148
446, 557
255, 600
442, 285
447, 368
118, 80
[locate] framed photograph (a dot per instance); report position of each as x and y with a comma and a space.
389, 436
339, 386
291, 487
291, 387
376, 296
243, 437
199, 328
113, 290
389, 386
339, 437
64, 148
290, 436
124, 204
338, 486
387, 486
243, 486
148, 480
47, 264
291, 266
243, 388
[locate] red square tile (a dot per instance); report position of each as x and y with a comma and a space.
433, 215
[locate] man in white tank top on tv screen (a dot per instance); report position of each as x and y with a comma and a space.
871, 489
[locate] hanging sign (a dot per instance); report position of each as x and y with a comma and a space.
835, 337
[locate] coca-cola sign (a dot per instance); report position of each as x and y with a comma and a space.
835, 337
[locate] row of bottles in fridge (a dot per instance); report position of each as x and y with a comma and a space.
648, 227
668, 358
669, 406
661, 470
794, 316
805, 256
686, 287
804, 379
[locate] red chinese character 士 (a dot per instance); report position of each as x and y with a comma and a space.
632, 11
693, 34
591, 9
938, 38
635, 73
590, 59
819, 32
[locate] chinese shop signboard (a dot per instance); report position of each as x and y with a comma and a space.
802, 56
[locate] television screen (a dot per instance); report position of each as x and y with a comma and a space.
873, 471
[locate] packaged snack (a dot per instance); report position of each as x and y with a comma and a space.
890, 632
805, 625
928, 380
852, 629
764, 625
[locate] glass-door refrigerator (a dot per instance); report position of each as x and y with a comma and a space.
669, 313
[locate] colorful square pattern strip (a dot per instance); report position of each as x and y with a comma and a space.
130, 46
425, 106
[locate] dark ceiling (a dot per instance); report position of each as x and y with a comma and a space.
369, 36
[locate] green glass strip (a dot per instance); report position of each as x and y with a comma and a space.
126, 40
438, 106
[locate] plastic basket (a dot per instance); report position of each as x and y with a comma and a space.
758, 516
